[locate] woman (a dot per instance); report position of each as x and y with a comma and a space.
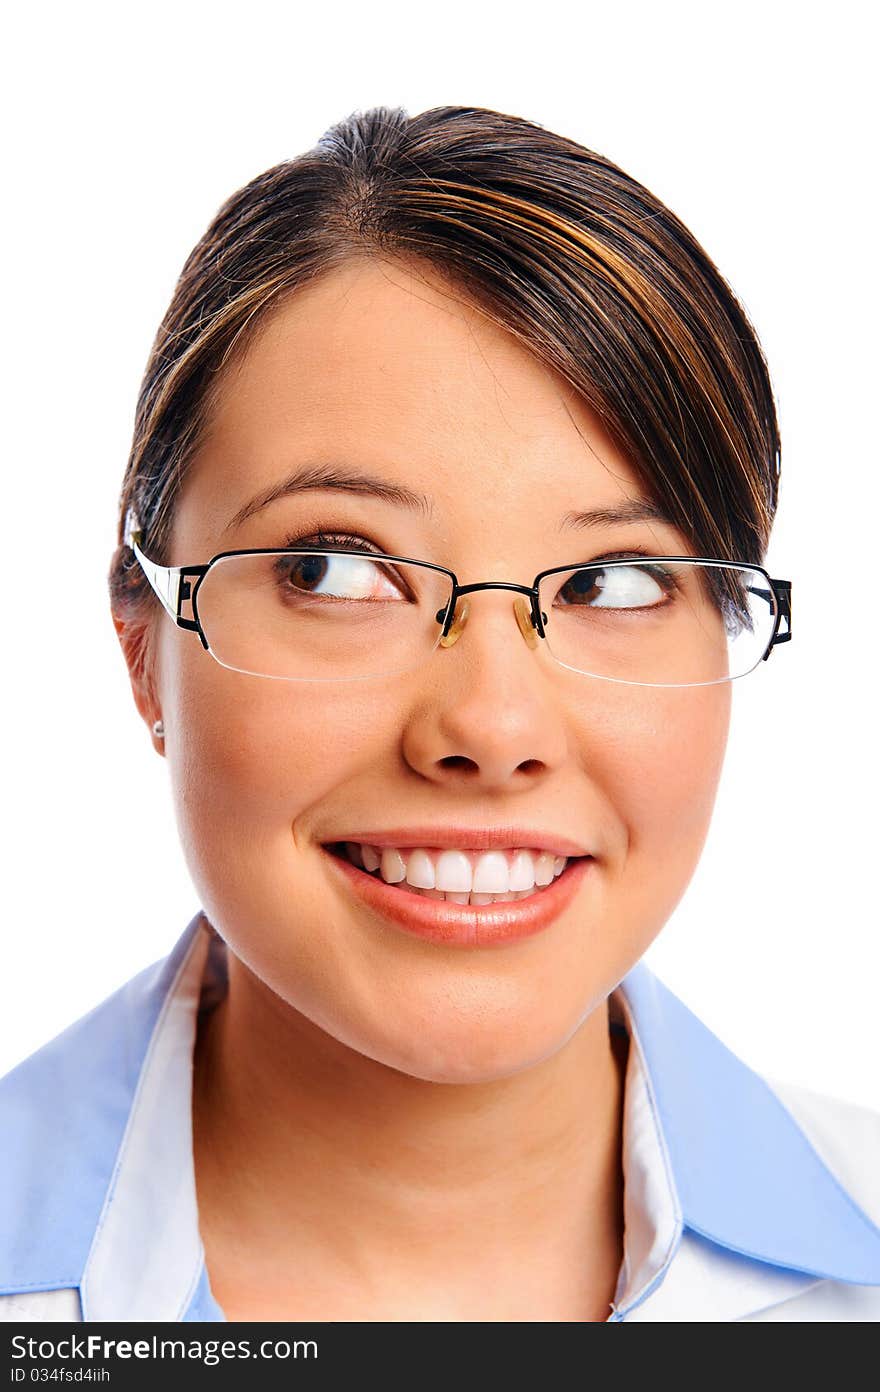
405, 1063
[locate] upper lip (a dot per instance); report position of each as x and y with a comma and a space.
466, 838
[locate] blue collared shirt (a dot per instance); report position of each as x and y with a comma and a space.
742, 1200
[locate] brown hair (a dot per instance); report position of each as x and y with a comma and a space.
555, 243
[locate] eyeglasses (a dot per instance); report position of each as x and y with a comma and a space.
345, 614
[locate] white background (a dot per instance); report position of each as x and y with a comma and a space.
126, 128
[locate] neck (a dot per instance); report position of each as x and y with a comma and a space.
505, 1193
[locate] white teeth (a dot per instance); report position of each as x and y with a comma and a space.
464, 877
393, 869
474, 899
454, 872
420, 870
522, 871
544, 868
371, 858
491, 874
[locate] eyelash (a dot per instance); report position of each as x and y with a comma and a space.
320, 540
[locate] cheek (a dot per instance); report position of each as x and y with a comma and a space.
674, 744
657, 756
249, 757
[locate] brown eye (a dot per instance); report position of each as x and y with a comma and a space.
304, 572
337, 576
616, 587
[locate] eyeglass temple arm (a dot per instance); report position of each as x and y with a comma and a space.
783, 598
782, 593
170, 583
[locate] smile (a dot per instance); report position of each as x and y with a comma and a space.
458, 876
458, 897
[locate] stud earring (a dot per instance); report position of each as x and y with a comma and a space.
159, 729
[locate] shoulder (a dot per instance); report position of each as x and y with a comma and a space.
64, 1111
761, 1171
846, 1137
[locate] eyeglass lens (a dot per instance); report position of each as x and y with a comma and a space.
336, 615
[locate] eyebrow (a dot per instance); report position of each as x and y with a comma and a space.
634, 510
339, 478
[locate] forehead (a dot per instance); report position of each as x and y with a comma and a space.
384, 365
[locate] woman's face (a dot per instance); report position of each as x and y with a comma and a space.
386, 372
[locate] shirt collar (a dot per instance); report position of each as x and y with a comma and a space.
716, 1171
745, 1175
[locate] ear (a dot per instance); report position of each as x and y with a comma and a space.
135, 634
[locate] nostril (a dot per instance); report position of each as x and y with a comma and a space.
459, 761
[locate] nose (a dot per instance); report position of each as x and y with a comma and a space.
522, 612
488, 714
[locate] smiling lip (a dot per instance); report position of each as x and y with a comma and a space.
464, 925
461, 838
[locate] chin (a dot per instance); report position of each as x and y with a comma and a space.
472, 1054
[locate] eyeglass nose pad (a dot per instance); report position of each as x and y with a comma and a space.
524, 620
458, 623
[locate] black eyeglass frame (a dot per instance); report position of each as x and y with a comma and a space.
175, 595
